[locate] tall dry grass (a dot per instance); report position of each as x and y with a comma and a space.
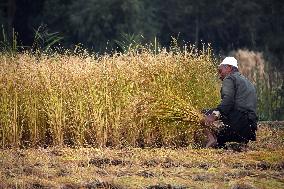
133, 99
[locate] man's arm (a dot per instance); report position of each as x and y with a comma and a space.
228, 96
227, 102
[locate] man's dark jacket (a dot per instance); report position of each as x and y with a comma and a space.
238, 108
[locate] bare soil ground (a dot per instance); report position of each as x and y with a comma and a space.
260, 165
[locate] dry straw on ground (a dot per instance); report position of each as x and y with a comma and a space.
260, 166
133, 99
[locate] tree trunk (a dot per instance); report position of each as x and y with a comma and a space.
197, 31
11, 11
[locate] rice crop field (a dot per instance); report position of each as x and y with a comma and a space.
81, 120
133, 99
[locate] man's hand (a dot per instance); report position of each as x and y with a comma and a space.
208, 120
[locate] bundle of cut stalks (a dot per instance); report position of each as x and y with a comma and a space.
175, 120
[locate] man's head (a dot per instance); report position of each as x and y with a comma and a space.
227, 66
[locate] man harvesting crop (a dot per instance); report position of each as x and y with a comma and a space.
237, 109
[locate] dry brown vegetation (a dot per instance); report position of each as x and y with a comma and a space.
251, 64
260, 166
133, 99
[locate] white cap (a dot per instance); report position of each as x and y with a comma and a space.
230, 61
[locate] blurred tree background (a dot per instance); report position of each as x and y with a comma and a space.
256, 25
